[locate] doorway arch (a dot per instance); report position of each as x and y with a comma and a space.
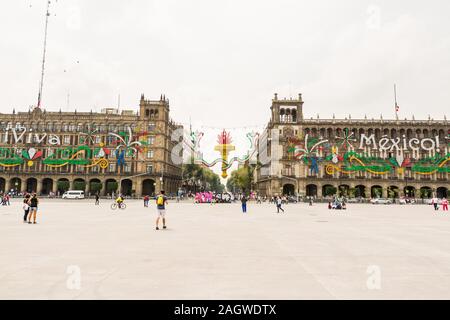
126, 187
31, 185
148, 187
311, 190
2, 185
410, 192
442, 192
47, 186
289, 190
376, 192
360, 191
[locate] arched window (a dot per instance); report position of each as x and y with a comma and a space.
294, 115
409, 133
393, 133
330, 133
282, 115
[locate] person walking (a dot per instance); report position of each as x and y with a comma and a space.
444, 204
259, 201
161, 202
244, 204
435, 203
279, 203
26, 207
97, 199
146, 200
33, 209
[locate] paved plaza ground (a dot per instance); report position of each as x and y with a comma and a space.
216, 252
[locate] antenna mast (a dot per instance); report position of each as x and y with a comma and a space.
395, 99
41, 83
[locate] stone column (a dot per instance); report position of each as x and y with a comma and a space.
55, 186
39, 186
319, 191
23, 187
384, 193
138, 186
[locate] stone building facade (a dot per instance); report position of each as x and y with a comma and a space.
353, 157
128, 151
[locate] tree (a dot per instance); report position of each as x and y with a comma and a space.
79, 185
194, 173
392, 192
330, 191
63, 185
377, 192
425, 193
241, 180
95, 187
111, 186
352, 192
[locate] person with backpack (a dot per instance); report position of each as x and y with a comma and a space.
161, 201
33, 209
120, 201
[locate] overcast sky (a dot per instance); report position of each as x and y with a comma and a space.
220, 62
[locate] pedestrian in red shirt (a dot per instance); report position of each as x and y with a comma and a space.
444, 204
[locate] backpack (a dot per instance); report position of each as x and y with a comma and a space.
160, 201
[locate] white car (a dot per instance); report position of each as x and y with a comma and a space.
73, 195
381, 201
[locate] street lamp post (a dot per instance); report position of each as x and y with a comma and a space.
406, 185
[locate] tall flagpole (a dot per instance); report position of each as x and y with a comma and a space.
395, 99
41, 83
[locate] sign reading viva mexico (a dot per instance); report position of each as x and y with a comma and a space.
21, 135
125, 144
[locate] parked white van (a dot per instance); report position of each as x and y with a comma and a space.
73, 195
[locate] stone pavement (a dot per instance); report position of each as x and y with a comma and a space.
216, 252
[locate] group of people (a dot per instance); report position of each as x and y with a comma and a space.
444, 204
30, 208
161, 202
337, 204
278, 201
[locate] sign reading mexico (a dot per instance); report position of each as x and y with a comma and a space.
399, 144
90, 151
348, 155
